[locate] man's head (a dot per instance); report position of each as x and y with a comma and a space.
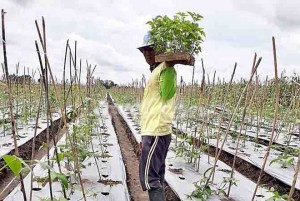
148, 51
149, 54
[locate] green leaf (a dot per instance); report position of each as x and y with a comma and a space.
222, 192
63, 179
60, 156
60, 177
273, 161
208, 190
290, 160
13, 163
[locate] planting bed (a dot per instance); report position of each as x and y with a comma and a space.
103, 174
252, 154
8, 180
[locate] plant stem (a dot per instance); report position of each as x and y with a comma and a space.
191, 97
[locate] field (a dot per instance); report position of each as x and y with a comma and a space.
241, 125
204, 120
74, 139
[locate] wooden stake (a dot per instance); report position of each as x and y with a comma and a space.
231, 120
274, 121
11, 101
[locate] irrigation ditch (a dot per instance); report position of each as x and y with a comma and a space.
130, 153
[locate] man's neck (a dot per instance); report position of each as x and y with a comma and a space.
153, 66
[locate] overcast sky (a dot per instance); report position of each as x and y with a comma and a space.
109, 31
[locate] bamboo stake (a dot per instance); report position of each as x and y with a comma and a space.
203, 77
11, 101
191, 97
16, 81
30, 95
290, 198
44, 80
34, 137
49, 114
223, 102
274, 121
64, 78
231, 120
51, 76
73, 138
240, 132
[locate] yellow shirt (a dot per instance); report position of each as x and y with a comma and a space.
156, 113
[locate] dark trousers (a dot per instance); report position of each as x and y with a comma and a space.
152, 161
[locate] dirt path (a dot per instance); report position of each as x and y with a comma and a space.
130, 159
128, 146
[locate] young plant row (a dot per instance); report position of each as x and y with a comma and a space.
73, 97
262, 114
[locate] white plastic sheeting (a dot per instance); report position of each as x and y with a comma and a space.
113, 167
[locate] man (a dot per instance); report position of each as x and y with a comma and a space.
157, 111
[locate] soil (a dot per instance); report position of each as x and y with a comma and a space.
109, 182
227, 199
129, 149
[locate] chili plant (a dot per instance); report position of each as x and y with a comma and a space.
180, 34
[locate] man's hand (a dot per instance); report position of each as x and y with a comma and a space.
170, 63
